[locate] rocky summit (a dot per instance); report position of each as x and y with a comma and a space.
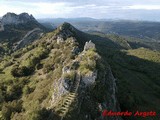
12, 18
61, 79
17, 31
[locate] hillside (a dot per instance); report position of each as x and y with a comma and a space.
60, 76
65, 75
129, 42
137, 74
16, 31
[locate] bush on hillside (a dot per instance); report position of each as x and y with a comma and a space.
10, 108
48, 67
22, 71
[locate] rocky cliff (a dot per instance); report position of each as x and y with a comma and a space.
19, 30
29, 38
58, 77
12, 18
1, 26
84, 87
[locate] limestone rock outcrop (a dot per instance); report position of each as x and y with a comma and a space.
1, 26
29, 38
12, 18
89, 45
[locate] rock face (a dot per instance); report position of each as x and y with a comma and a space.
111, 102
75, 51
66, 69
1, 26
60, 39
20, 30
65, 31
29, 38
90, 79
89, 45
12, 18
84, 83
59, 90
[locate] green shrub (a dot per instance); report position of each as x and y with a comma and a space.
21, 71
7, 64
17, 54
70, 75
26, 90
34, 61
48, 67
10, 108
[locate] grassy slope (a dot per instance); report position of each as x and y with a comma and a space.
137, 72
17, 95
138, 78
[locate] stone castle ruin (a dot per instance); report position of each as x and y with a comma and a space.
89, 45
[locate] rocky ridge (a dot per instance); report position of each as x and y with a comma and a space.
65, 82
64, 96
20, 30
1, 26
12, 18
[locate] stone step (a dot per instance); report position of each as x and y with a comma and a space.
66, 103
70, 98
72, 95
63, 112
64, 108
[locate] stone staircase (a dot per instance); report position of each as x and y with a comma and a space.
70, 98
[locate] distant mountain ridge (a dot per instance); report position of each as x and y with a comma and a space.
16, 31
12, 18
140, 29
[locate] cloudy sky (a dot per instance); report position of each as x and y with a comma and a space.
107, 9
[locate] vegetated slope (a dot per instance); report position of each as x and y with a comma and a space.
136, 68
40, 69
137, 73
129, 42
56, 77
18, 28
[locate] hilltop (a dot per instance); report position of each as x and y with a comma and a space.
57, 75
12, 18
73, 75
16, 31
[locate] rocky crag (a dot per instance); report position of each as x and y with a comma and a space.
80, 81
62, 75
12, 18
19, 30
